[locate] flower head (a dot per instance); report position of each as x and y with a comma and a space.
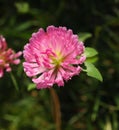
53, 57
7, 57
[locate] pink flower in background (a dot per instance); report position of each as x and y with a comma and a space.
7, 57
53, 57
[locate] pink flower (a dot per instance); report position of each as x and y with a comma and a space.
7, 57
53, 57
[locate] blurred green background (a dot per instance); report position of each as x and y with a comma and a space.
83, 103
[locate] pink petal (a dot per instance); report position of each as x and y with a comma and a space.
1, 73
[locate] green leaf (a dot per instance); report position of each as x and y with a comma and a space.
14, 81
95, 108
108, 125
24, 26
90, 52
92, 59
22, 7
31, 86
84, 36
92, 71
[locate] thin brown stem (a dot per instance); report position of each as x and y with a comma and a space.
56, 108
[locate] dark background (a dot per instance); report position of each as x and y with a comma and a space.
83, 103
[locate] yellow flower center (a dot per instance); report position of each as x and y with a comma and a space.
57, 60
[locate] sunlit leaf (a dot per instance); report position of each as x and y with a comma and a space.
90, 52
92, 59
92, 71
108, 125
31, 86
22, 7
